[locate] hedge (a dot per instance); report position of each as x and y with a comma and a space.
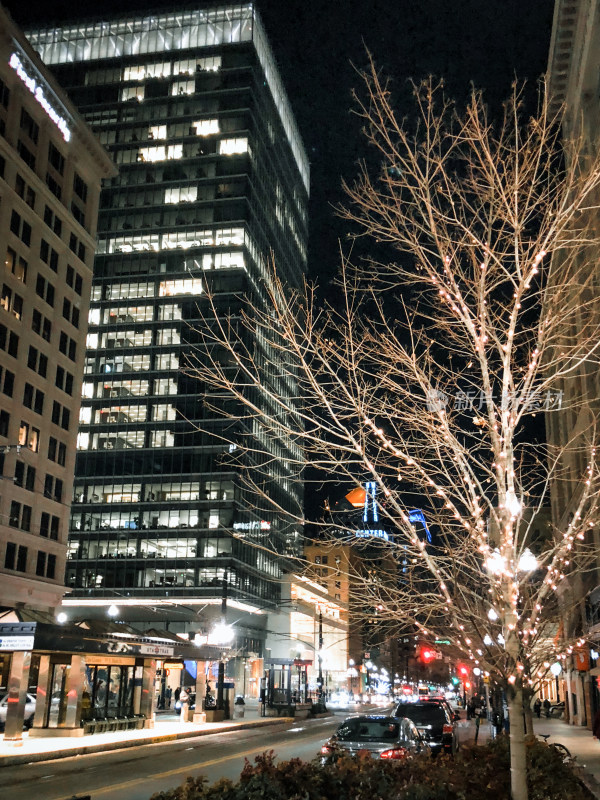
476, 773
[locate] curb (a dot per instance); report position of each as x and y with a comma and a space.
28, 758
588, 780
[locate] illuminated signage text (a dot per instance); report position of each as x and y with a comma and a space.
38, 92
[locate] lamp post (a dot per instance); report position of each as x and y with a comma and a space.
320, 655
221, 672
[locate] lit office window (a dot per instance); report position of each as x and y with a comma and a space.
228, 260
157, 132
165, 386
205, 127
116, 316
162, 439
183, 87
160, 153
189, 66
87, 390
181, 194
91, 341
183, 286
169, 313
228, 236
83, 441
163, 413
230, 147
129, 93
167, 361
85, 415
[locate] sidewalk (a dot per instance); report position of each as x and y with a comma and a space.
579, 741
167, 727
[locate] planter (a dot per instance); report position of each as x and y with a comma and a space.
214, 715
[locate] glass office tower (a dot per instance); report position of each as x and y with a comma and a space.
212, 178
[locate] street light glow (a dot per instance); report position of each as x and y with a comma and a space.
112, 611
527, 562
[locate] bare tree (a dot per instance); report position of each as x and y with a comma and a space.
426, 374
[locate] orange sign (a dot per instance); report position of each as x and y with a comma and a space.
581, 657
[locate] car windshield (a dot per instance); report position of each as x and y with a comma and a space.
369, 729
426, 714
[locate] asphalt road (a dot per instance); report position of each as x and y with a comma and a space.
136, 773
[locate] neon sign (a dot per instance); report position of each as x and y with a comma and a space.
416, 515
37, 91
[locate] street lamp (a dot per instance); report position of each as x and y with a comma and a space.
556, 669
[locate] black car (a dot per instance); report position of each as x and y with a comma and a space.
435, 724
379, 736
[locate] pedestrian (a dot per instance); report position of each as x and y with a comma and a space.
547, 705
177, 693
168, 695
470, 708
596, 725
184, 699
477, 713
537, 707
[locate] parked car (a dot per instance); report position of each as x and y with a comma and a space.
382, 737
29, 711
435, 724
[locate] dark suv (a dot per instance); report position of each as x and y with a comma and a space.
435, 724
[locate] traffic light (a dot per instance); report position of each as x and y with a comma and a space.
427, 655
463, 671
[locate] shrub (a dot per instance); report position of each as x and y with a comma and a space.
476, 773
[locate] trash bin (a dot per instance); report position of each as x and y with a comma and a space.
239, 707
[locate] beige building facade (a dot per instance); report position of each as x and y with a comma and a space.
51, 168
574, 85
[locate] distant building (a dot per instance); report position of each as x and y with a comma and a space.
51, 168
213, 180
573, 69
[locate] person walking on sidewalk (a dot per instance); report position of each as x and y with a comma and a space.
537, 707
479, 718
547, 705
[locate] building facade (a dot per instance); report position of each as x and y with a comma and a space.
51, 168
573, 69
213, 179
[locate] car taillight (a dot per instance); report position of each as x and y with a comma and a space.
397, 752
326, 750
447, 729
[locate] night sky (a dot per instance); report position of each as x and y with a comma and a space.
317, 42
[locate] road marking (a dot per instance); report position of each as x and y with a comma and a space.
125, 784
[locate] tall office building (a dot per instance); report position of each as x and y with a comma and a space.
51, 168
212, 178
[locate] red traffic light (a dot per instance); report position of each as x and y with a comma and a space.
427, 655
463, 670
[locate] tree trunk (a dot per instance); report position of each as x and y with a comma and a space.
527, 698
518, 767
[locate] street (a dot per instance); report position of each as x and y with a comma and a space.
136, 773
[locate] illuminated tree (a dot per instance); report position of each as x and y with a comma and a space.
428, 373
